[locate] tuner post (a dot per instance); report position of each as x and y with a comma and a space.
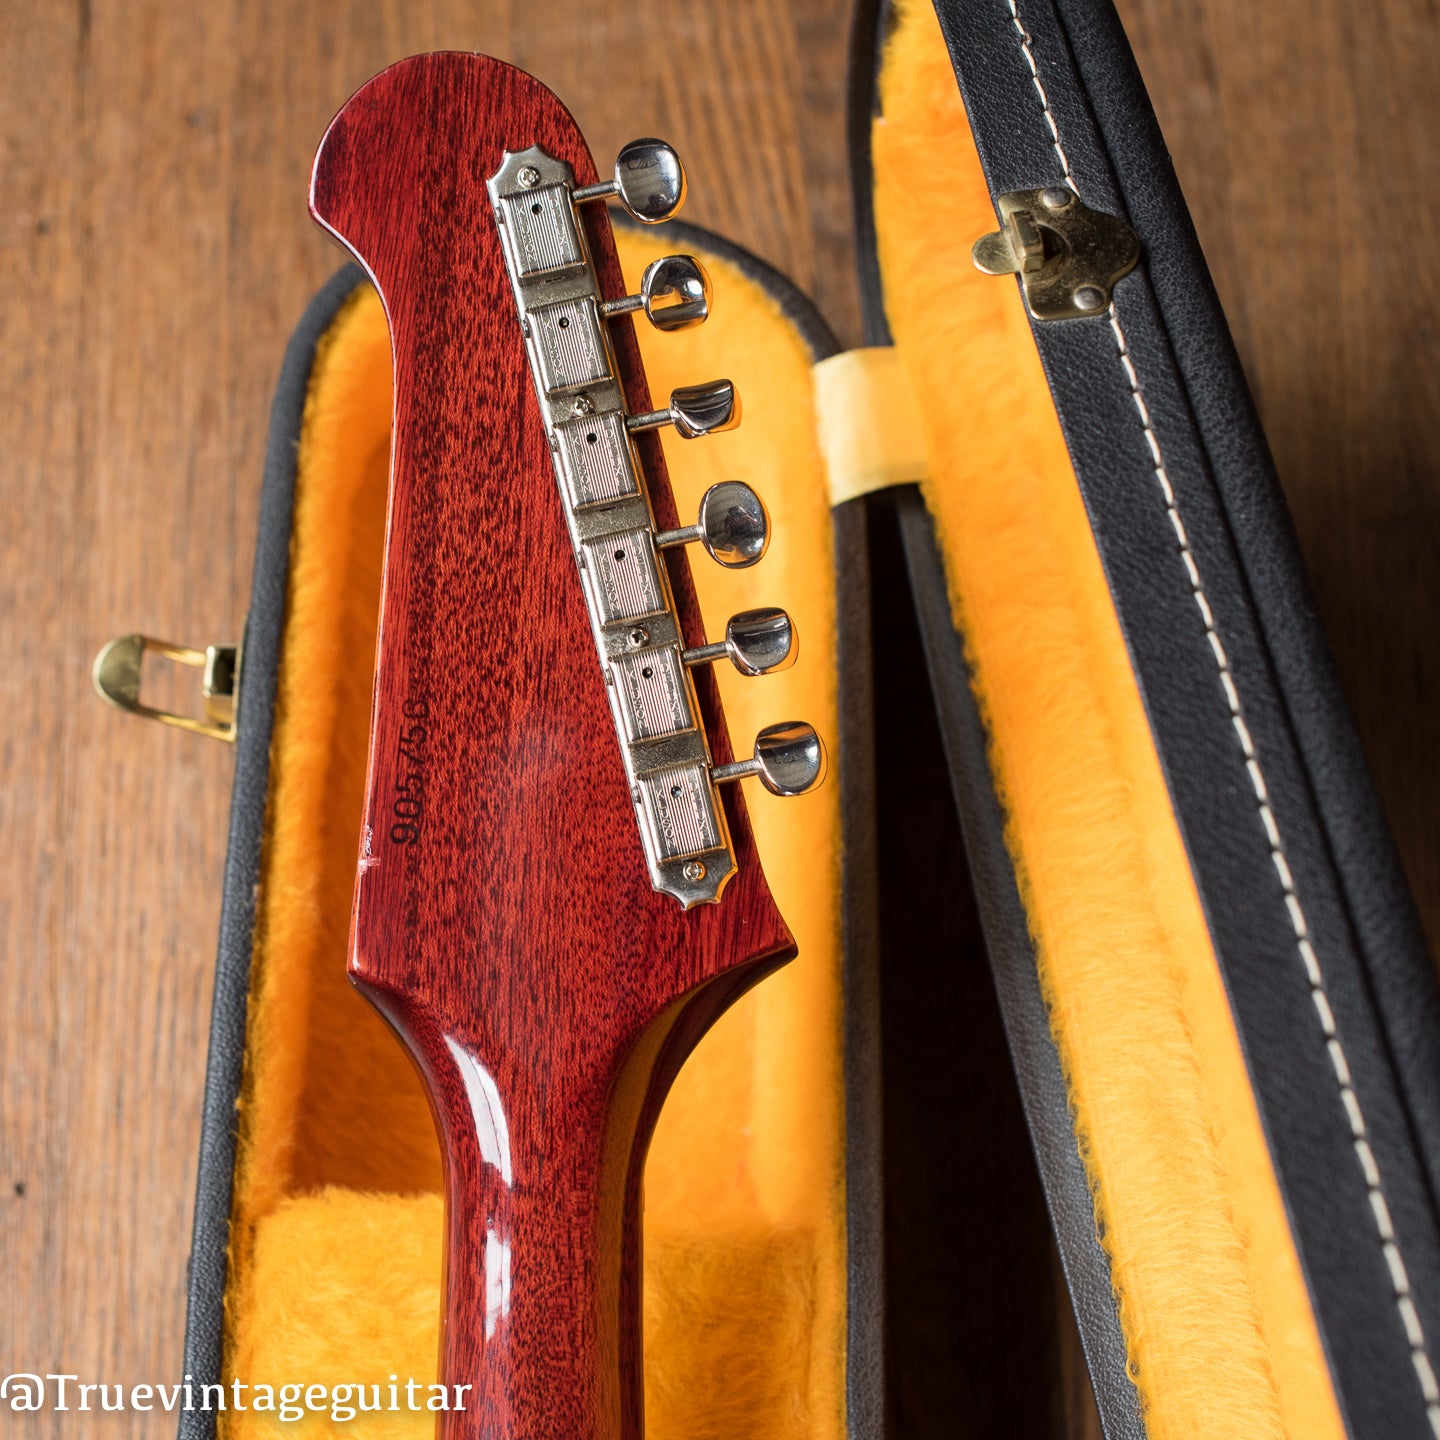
789, 759
649, 182
694, 410
674, 294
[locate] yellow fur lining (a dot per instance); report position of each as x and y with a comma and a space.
1220, 1334
336, 1238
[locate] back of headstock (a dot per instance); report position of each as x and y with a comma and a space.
556, 892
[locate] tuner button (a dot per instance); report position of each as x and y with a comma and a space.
694, 410
674, 293
789, 759
649, 182
756, 642
732, 526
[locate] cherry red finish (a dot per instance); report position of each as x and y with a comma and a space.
504, 920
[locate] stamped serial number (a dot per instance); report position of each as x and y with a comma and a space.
408, 804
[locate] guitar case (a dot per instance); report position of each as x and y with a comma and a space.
1112, 1047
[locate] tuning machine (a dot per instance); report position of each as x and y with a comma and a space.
649, 182
694, 410
757, 642
674, 294
789, 759
732, 526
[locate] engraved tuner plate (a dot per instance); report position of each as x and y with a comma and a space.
623, 576
678, 805
632, 612
540, 231
568, 345
597, 461
654, 698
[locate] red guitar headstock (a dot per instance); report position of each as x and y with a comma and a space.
557, 892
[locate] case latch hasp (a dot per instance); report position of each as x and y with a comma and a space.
1068, 256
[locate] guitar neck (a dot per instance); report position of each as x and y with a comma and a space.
511, 917
541, 1314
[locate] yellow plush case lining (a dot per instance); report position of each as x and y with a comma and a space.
1220, 1335
336, 1236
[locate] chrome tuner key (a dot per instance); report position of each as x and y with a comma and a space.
732, 526
694, 410
757, 642
789, 759
649, 182
674, 294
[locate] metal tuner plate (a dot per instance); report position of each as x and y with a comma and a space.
602, 488
564, 319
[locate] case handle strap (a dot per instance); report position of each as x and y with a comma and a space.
869, 423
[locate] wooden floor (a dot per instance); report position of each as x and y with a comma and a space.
154, 254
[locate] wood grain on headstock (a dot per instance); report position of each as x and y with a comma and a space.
504, 919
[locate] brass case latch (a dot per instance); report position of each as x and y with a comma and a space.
1068, 256
117, 678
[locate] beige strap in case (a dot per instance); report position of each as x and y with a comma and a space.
868, 423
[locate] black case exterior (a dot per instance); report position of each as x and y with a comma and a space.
1054, 97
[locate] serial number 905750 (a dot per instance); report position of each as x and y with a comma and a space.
408, 805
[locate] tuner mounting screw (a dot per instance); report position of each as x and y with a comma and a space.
582, 405
528, 177
639, 636
694, 871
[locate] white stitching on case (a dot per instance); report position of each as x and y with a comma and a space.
1399, 1276
1039, 87
1365, 1155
